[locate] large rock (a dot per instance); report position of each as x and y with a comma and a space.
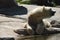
11, 8
8, 3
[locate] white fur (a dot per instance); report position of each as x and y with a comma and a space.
38, 9
29, 29
46, 22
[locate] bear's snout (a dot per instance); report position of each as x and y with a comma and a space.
53, 12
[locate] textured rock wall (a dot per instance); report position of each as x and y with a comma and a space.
8, 3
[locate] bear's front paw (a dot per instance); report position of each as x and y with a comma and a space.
29, 29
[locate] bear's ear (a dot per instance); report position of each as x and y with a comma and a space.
43, 8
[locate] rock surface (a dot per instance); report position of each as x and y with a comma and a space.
9, 24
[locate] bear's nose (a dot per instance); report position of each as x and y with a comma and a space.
53, 12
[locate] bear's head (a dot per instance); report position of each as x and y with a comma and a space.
48, 12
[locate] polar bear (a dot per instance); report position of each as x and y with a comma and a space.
35, 18
35, 24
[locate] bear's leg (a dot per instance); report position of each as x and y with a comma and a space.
40, 29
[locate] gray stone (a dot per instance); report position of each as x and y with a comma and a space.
11, 8
55, 23
7, 3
